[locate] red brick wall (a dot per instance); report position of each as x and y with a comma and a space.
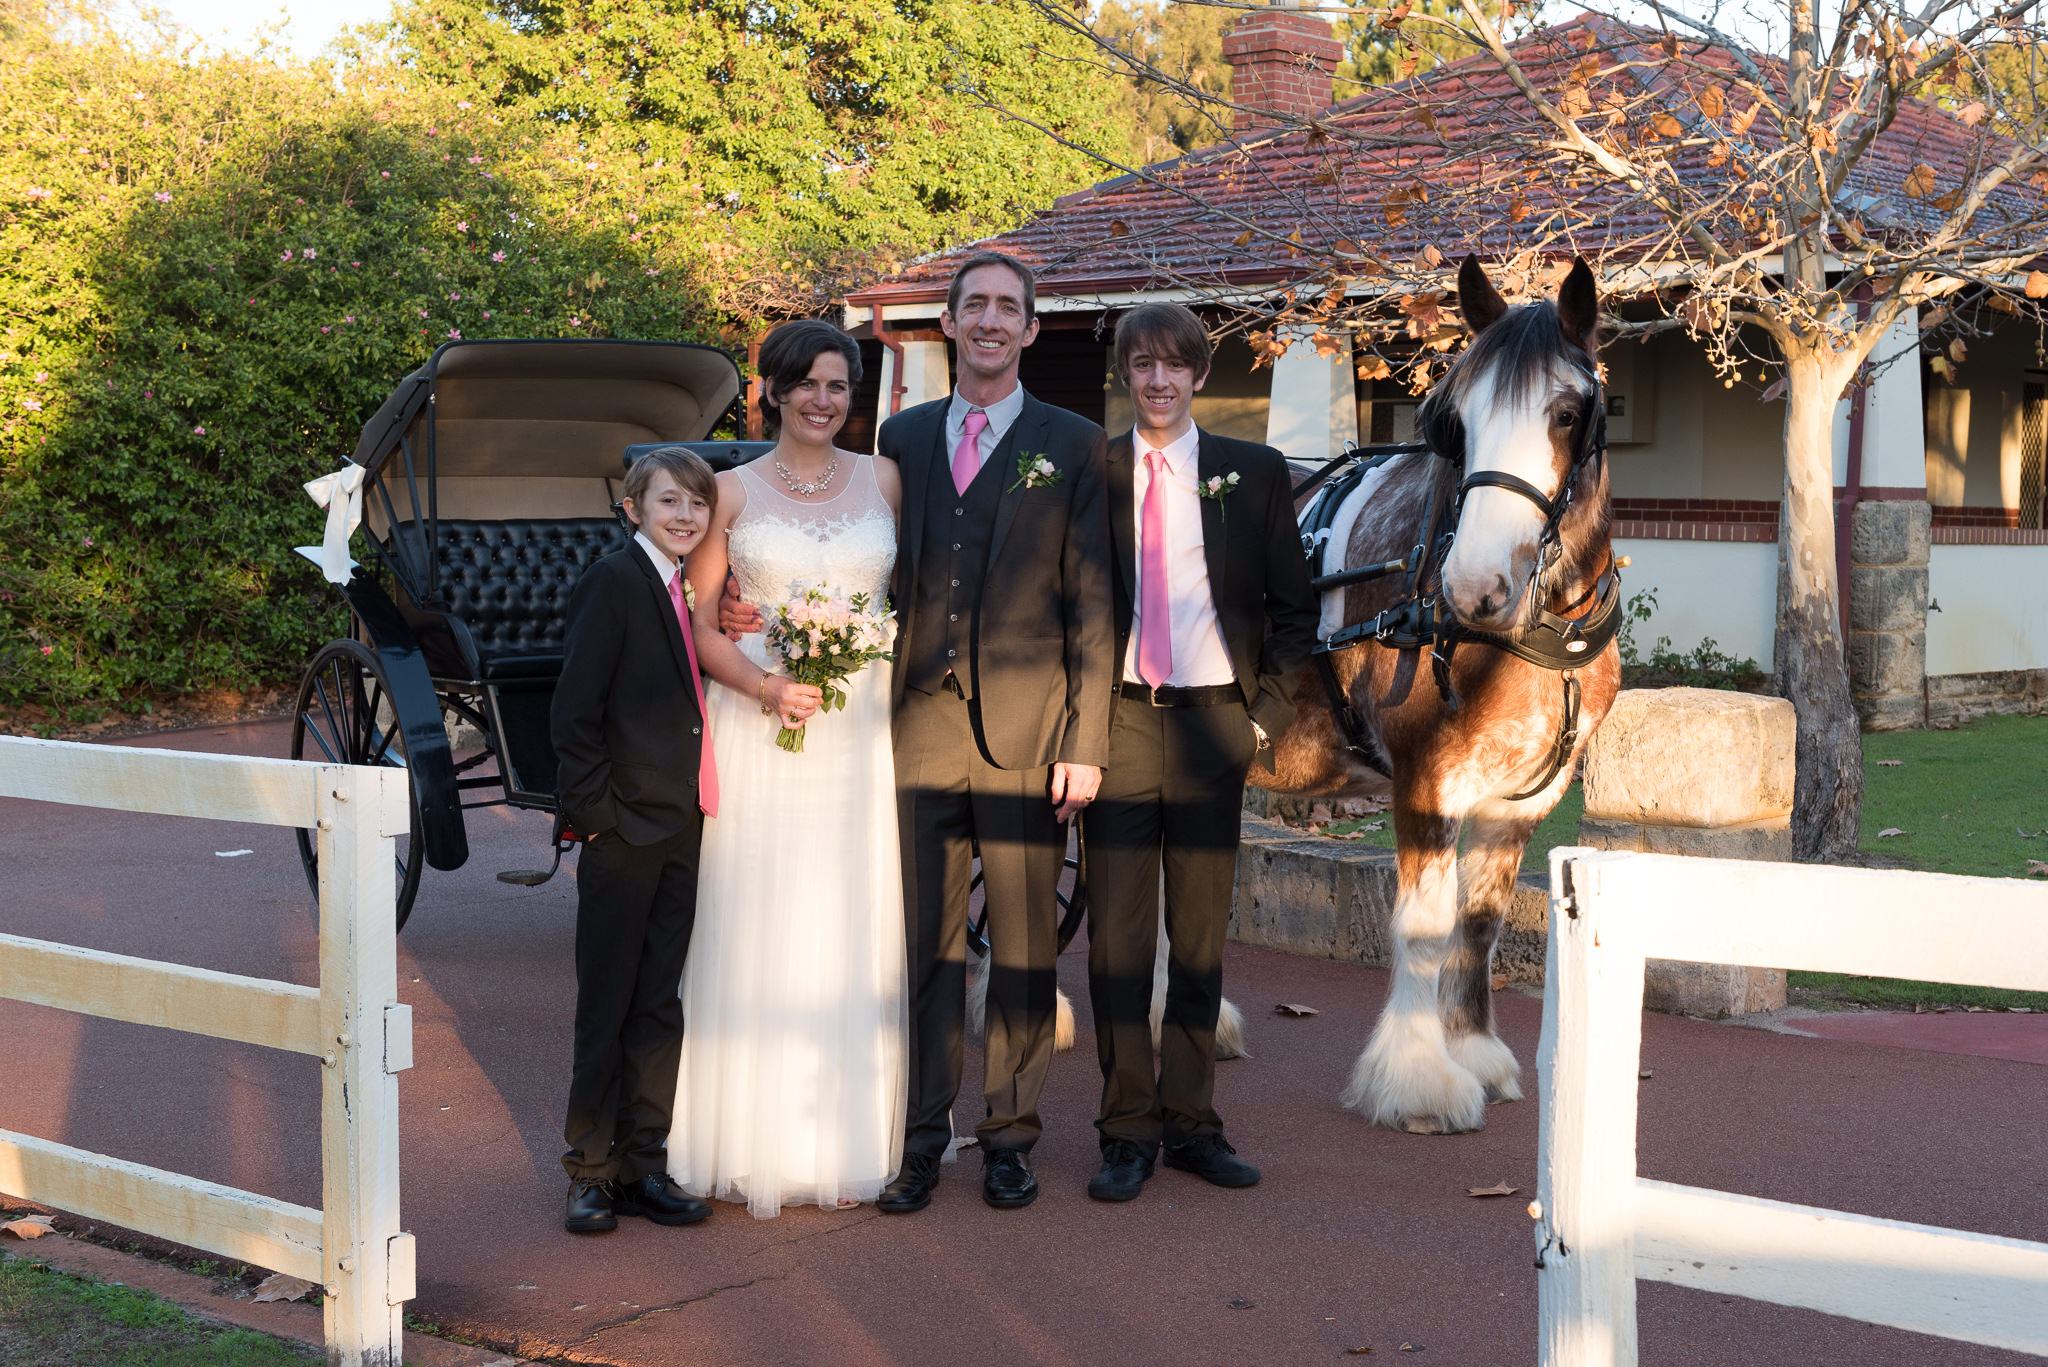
1281, 60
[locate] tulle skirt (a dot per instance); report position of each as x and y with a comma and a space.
792, 1084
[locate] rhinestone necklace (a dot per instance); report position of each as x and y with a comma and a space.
805, 488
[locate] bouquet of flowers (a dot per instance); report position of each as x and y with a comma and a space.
822, 639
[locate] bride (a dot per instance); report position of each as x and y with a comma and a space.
791, 1090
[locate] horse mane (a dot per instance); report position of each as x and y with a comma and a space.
1518, 353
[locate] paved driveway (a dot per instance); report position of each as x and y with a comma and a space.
1357, 1237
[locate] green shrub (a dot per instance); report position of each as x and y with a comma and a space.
1704, 666
215, 272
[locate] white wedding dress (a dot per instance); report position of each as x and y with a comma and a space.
791, 1090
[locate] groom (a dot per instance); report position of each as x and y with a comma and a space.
1002, 695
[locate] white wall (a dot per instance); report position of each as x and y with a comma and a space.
1724, 589
1993, 612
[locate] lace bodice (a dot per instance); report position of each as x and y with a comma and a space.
779, 543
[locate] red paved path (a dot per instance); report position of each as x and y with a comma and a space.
2023, 1039
1356, 1237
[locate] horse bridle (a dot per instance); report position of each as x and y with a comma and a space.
1549, 639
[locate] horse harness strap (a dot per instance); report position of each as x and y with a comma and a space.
1550, 640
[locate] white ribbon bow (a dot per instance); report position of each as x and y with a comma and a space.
344, 515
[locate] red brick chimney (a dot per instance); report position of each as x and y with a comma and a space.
1281, 59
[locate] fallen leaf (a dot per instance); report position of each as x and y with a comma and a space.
2024, 836
1500, 981
29, 1227
1889, 763
1889, 831
231, 854
1497, 1189
1295, 1009
1242, 1305
1362, 1350
1647, 1074
278, 1287
1373, 826
2037, 867
1409, 1348
2021, 1010
1919, 182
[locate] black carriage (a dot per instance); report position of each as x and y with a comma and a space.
490, 483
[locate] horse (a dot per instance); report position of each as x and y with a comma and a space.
1476, 683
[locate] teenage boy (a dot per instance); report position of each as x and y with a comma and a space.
1214, 622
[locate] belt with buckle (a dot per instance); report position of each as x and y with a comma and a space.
1208, 695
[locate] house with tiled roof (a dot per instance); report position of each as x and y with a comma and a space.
1940, 476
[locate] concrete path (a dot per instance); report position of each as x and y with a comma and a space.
1356, 1238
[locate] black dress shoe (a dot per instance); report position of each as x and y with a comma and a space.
590, 1208
912, 1187
1211, 1159
1125, 1166
661, 1201
1006, 1180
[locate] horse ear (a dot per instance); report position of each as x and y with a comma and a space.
1478, 300
1578, 307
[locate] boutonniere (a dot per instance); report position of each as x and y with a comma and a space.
1216, 488
689, 595
1036, 472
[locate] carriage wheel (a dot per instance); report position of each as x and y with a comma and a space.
1073, 910
344, 716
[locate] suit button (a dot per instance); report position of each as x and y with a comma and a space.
956, 545
951, 653
952, 616
956, 583
959, 512
696, 730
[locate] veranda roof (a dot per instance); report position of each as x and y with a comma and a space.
1397, 171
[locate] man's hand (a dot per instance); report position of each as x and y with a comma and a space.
736, 618
1073, 788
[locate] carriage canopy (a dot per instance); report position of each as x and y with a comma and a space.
548, 409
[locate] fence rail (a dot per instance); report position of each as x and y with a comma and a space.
1600, 1227
352, 1247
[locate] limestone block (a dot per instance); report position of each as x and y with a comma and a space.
1770, 838
1890, 712
1887, 661
1888, 599
1890, 533
1691, 757
1711, 991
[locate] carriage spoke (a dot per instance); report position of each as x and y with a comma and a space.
313, 730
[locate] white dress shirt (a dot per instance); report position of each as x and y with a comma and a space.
1002, 416
663, 566
1200, 658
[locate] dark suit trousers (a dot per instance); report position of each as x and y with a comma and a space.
635, 907
951, 801
1172, 796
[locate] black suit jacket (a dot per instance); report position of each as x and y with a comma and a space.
628, 733
1257, 575
1042, 638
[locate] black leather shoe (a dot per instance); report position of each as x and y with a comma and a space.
912, 1187
1214, 1161
590, 1208
1006, 1180
1125, 1166
661, 1201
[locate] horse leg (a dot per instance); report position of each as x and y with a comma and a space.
1407, 1079
1486, 879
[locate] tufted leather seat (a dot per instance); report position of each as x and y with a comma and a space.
508, 583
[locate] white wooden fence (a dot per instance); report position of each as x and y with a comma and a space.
353, 1023
1599, 1226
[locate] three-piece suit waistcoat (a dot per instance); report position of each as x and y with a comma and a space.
951, 563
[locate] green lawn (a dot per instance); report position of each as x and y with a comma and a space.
50, 1319
1973, 800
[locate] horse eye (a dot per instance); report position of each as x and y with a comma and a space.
1567, 417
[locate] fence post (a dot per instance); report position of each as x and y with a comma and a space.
1587, 1066
364, 1304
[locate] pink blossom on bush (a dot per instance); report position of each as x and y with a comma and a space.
497, 256
198, 431
162, 197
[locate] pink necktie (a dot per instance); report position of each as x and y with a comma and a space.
1155, 611
967, 455
707, 766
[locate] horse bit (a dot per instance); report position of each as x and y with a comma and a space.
1420, 618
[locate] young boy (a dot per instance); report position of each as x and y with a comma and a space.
636, 780
1214, 622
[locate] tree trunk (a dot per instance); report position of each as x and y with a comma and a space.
1811, 668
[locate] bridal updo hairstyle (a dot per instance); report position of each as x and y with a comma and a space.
684, 466
787, 354
1163, 330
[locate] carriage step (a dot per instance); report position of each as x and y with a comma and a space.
525, 878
